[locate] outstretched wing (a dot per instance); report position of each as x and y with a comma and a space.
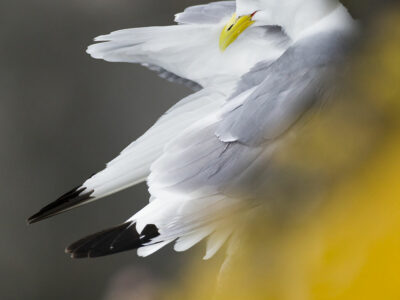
132, 166
189, 53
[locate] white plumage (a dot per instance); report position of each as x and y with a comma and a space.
202, 157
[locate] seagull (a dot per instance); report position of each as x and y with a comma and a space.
256, 67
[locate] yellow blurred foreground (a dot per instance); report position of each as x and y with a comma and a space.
332, 228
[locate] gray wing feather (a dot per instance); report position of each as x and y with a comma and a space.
211, 13
200, 161
291, 85
257, 74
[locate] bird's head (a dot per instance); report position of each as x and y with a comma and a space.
292, 15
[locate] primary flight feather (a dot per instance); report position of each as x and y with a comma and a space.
257, 66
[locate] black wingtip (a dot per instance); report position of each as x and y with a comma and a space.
70, 200
118, 239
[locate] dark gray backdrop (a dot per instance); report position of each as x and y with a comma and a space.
62, 116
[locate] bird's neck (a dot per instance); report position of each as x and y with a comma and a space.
316, 16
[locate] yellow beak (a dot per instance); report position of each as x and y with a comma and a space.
233, 29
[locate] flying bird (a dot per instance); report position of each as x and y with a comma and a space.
256, 67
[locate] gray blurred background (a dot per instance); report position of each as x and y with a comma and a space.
63, 115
